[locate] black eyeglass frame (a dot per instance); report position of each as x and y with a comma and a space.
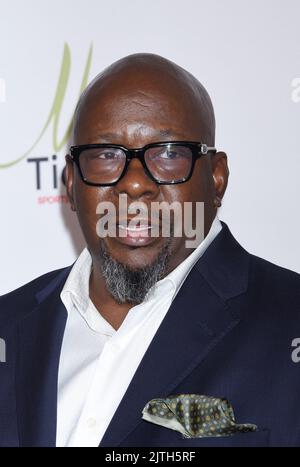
198, 150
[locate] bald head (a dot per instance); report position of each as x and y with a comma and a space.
140, 86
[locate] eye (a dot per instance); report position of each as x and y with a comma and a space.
107, 155
169, 155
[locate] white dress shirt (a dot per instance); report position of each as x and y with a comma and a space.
98, 362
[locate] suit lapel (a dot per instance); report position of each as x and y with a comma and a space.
197, 320
40, 340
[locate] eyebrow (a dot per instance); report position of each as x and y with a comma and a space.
164, 133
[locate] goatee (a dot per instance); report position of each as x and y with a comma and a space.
128, 285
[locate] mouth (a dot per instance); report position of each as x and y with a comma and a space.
142, 234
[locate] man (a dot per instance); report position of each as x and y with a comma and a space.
117, 349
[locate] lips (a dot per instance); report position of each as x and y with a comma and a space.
137, 234
142, 231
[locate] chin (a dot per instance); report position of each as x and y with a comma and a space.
133, 257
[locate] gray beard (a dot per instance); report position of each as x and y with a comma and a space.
128, 285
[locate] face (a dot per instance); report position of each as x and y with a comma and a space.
118, 113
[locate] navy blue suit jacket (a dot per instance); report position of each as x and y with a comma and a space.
228, 333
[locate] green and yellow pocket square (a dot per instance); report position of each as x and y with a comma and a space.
195, 416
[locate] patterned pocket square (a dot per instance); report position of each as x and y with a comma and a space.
195, 416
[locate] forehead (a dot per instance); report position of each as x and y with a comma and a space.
145, 107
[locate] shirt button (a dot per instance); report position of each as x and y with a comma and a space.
91, 423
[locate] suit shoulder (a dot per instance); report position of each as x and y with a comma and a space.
24, 297
264, 266
279, 284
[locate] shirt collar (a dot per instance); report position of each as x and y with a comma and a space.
179, 274
76, 288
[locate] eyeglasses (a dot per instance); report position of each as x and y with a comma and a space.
166, 163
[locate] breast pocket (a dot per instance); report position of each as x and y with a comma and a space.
258, 438
151, 435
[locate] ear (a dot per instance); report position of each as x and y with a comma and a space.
220, 175
69, 178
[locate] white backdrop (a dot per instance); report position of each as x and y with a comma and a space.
246, 53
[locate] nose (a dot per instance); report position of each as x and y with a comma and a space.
136, 183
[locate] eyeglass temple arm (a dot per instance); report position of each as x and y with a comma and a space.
204, 149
